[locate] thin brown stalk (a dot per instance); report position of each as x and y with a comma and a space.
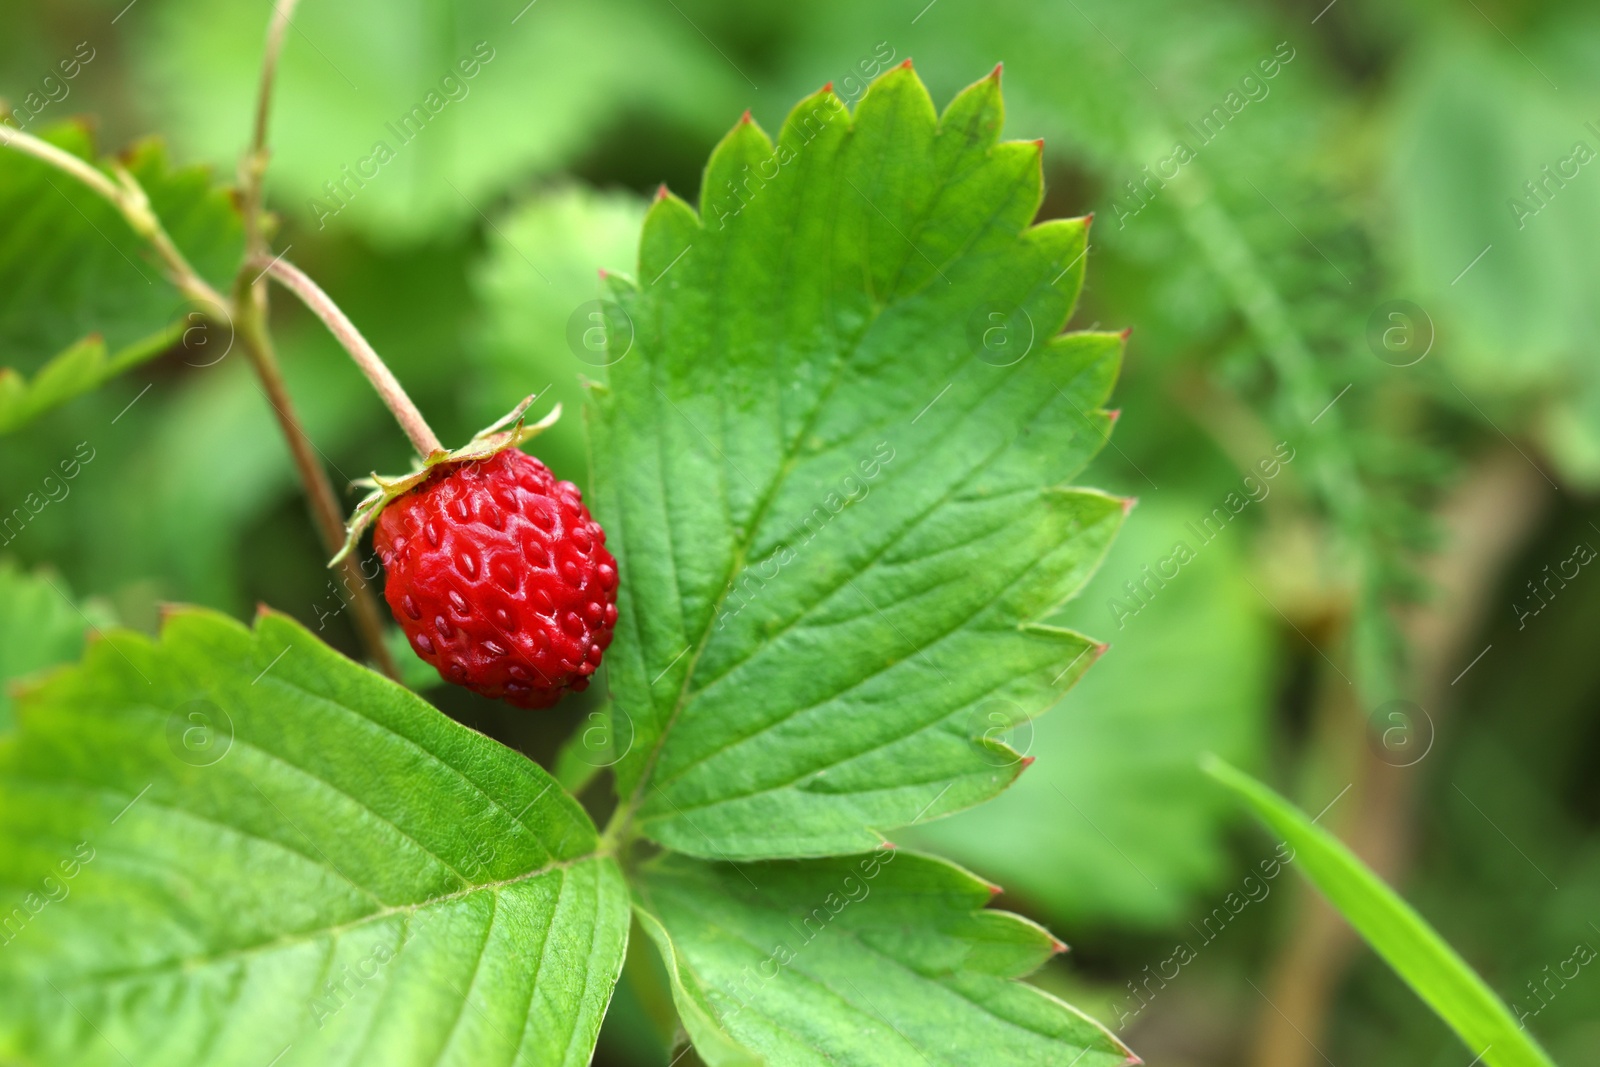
253, 165
320, 494
1486, 522
246, 309
249, 310
366, 357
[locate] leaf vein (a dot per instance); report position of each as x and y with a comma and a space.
914, 522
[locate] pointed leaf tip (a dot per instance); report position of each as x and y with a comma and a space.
1129, 503
907, 64
1114, 414
661, 192
1027, 761
828, 88
1057, 947
995, 73
1126, 333
745, 120
1088, 220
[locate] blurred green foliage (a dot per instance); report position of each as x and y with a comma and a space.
41, 627
77, 307
1394, 147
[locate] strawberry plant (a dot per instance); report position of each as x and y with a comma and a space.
290, 850
835, 423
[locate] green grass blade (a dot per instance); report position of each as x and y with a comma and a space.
1394, 929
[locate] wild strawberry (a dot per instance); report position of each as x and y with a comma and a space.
500, 578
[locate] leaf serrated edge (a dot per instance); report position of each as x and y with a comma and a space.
979, 893
668, 211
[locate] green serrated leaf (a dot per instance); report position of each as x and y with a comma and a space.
40, 626
233, 845
1434, 970
885, 958
81, 300
828, 460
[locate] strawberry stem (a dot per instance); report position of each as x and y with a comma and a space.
248, 310
383, 380
253, 164
128, 197
244, 313
365, 614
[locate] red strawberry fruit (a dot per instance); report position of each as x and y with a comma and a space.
500, 578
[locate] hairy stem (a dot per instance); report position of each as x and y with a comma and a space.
246, 310
128, 197
250, 328
366, 357
249, 309
1332, 471
253, 164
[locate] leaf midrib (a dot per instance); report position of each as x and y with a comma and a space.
626, 813
739, 557
310, 936
910, 526
742, 548
680, 810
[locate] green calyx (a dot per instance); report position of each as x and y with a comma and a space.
487, 442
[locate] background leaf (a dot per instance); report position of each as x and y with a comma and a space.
540, 283
884, 958
233, 845
40, 626
1489, 159
80, 298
